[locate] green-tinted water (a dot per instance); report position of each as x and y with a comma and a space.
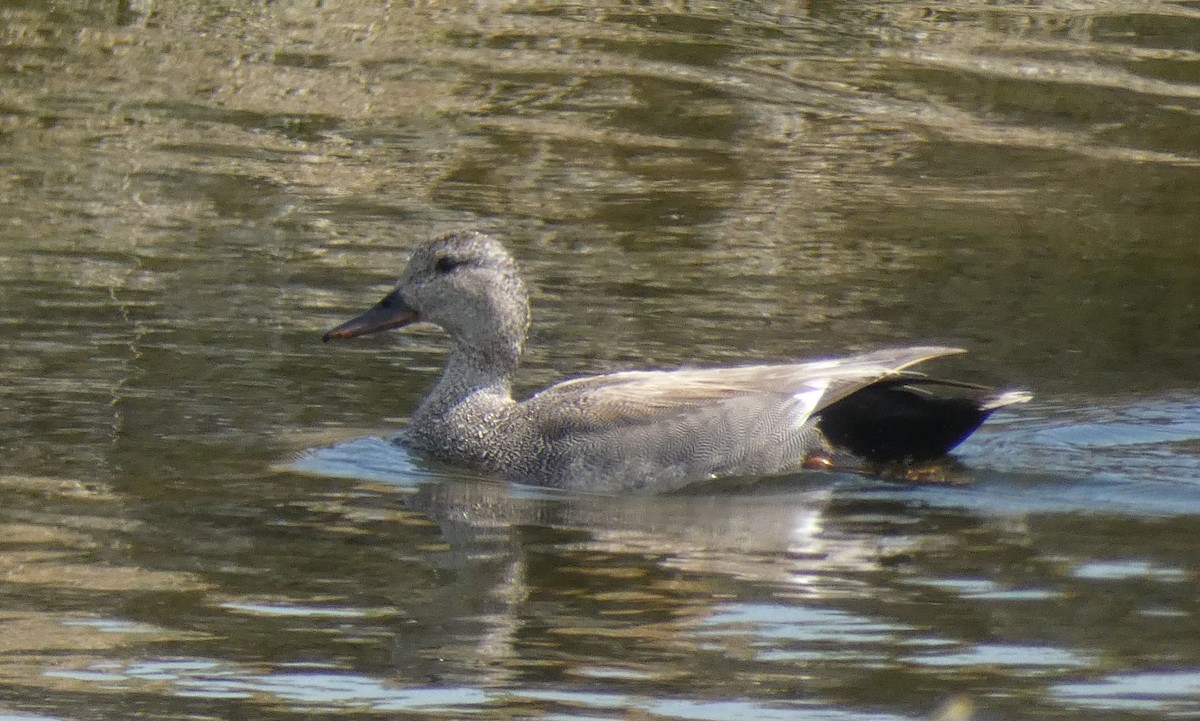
190, 195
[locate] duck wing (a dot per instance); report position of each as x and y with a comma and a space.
642, 396
660, 429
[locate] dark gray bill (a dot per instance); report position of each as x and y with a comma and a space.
391, 312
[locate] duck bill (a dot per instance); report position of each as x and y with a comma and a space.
391, 312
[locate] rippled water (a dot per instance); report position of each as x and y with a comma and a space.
201, 518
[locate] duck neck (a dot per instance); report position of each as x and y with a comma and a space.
474, 385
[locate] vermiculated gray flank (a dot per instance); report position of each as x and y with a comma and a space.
652, 430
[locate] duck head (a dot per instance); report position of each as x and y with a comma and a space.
464, 282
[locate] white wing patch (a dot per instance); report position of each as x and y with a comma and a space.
1007, 399
807, 398
826, 364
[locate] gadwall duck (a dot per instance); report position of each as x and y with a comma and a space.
651, 430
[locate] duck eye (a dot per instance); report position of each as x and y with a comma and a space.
445, 264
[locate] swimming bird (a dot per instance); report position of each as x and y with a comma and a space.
651, 430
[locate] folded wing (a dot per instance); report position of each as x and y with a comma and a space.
695, 423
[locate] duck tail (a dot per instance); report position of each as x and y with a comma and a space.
911, 419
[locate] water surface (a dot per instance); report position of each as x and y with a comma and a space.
200, 518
